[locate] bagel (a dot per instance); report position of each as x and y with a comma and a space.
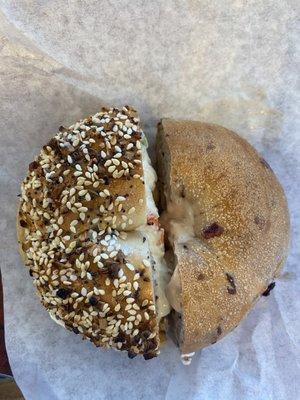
108, 267
226, 219
88, 232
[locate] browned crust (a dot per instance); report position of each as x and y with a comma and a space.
85, 281
241, 225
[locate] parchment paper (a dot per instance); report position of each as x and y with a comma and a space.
229, 62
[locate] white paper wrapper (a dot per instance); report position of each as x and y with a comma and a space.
229, 62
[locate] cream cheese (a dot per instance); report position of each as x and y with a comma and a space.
154, 237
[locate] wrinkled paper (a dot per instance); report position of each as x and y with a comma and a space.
228, 62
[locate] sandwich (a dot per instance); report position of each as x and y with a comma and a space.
125, 255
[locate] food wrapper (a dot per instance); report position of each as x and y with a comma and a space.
227, 62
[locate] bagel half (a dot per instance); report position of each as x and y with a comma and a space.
227, 221
90, 233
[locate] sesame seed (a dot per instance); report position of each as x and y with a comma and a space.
146, 315
130, 300
116, 161
96, 120
83, 209
146, 263
145, 302
111, 168
152, 308
89, 276
130, 266
69, 158
82, 216
131, 318
136, 277
116, 283
135, 285
117, 307
83, 291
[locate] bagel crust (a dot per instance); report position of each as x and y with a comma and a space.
81, 201
228, 220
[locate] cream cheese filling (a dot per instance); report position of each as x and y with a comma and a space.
154, 235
